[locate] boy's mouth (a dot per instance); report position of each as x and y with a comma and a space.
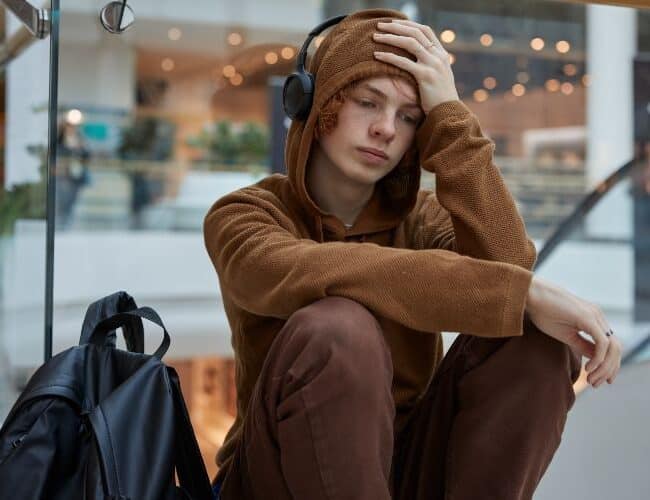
377, 152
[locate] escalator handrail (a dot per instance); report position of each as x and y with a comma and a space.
584, 207
579, 213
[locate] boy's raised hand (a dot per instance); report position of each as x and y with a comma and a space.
432, 68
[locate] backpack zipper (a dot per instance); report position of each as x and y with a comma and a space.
17, 442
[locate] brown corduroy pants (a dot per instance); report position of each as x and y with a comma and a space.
320, 422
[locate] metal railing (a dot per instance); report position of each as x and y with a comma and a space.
37, 21
36, 26
583, 208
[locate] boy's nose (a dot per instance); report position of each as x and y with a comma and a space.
383, 127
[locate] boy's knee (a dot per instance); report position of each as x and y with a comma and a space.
341, 331
550, 366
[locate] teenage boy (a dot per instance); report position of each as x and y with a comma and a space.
338, 277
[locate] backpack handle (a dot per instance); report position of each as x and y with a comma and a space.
106, 307
104, 327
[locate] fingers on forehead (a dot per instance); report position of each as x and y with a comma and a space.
423, 27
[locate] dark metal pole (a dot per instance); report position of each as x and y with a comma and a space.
53, 112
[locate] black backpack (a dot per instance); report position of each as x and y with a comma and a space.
98, 422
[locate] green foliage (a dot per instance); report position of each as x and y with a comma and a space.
148, 138
224, 142
24, 201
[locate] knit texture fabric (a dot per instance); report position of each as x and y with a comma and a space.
456, 260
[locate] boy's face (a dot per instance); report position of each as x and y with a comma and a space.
375, 126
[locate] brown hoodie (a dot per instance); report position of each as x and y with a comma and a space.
455, 260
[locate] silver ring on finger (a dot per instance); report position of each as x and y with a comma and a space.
609, 333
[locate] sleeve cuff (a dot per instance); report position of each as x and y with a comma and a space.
425, 135
448, 108
515, 304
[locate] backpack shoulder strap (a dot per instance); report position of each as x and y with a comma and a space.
192, 475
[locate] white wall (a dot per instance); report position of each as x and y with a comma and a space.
101, 75
26, 101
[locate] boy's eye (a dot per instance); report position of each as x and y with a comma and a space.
410, 119
366, 104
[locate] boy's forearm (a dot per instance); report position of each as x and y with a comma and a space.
469, 186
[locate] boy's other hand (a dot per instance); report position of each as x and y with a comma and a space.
562, 315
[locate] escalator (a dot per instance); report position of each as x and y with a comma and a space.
605, 449
637, 173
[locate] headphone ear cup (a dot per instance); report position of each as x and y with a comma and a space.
297, 95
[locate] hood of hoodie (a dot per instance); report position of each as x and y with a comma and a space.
344, 56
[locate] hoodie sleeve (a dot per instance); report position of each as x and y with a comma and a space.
264, 268
473, 214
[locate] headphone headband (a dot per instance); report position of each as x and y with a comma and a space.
302, 55
298, 90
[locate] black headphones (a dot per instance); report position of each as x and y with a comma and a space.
298, 91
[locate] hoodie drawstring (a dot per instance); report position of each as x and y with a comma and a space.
319, 230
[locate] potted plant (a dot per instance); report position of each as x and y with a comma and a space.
233, 144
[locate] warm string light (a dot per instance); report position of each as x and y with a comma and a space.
235, 39
570, 69
518, 90
167, 64
552, 85
481, 95
489, 82
174, 34
74, 117
567, 88
230, 72
537, 43
563, 46
448, 36
271, 58
287, 52
486, 39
